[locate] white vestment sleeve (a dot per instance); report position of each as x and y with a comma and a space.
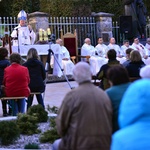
33, 37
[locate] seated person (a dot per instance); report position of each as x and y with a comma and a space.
85, 116
128, 51
135, 64
66, 62
55, 57
102, 74
120, 54
119, 81
140, 47
23, 33
16, 81
87, 49
125, 46
95, 61
113, 45
134, 122
101, 49
37, 76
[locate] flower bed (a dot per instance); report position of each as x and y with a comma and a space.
25, 139
29, 136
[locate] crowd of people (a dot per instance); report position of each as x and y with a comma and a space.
101, 49
117, 118
113, 116
19, 80
98, 54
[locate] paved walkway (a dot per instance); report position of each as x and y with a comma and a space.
54, 94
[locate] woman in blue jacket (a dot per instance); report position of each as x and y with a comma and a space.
37, 76
134, 118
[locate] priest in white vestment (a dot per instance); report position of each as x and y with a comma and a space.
87, 49
23, 33
113, 45
95, 61
125, 46
56, 59
67, 64
142, 50
120, 54
101, 48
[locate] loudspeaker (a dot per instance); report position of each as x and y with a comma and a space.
126, 25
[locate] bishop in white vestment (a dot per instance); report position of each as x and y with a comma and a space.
23, 33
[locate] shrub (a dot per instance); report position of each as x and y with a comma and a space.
27, 124
32, 146
39, 112
52, 122
53, 109
49, 136
9, 132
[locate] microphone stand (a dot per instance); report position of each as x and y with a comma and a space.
49, 55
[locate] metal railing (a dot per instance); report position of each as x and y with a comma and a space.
85, 27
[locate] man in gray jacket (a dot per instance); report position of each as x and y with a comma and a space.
84, 120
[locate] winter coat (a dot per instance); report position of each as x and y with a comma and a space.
3, 64
16, 80
84, 119
133, 68
37, 75
134, 118
115, 94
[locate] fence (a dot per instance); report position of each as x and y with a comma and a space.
85, 27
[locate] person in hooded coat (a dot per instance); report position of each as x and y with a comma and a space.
134, 118
37, 76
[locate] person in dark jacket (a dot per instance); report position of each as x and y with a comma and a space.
3, 64
135, 65
102, 74
37, 76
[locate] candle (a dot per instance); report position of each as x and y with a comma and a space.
45, 36
40, 34
48, 31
